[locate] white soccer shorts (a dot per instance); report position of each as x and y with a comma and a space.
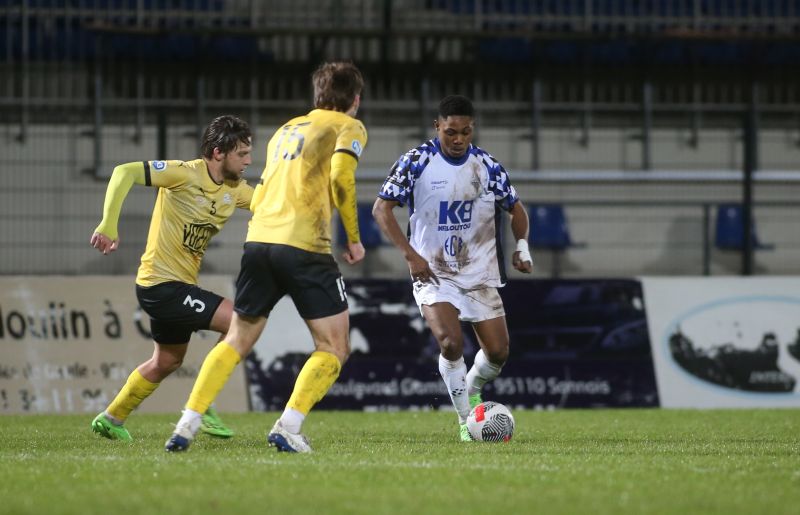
472, 305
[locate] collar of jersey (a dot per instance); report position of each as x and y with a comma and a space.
455, 162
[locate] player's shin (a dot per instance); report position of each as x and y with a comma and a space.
315, 379
216, 369
454, 375
482, 372
135, 390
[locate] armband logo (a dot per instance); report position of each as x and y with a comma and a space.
357, 147
159, 166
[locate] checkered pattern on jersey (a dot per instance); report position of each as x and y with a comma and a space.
499, 182
399, 186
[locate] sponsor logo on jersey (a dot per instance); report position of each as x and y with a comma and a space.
226, 199
455, 215
356, 146
159, 166
197, 236
453, 245
438, 185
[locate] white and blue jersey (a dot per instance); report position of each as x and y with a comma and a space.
454, 207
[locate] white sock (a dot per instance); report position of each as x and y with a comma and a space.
191, 420
482, 372
292, 420
113, 420
454, 375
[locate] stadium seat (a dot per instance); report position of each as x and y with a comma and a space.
371, 238
549, 230
370, 232
729, 229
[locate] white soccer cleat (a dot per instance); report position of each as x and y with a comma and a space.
180, 440
287, 442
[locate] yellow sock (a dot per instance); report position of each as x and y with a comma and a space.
315, 379
135, 390
213, 375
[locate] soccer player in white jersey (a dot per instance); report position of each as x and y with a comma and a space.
454, 192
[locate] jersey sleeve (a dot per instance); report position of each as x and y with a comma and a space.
166, 174
122, 180
244, 195
352, 139
343, 189
400, 182
500, 183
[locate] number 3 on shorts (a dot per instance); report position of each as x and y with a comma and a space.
197, 304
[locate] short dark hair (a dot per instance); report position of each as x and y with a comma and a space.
336, 85
224, 132
456, 105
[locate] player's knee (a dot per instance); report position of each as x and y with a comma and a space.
497, 356
339, 348
167, 365
450, 345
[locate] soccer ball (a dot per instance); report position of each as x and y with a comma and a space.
490, 422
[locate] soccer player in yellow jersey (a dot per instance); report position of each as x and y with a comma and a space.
310, 168
195, 199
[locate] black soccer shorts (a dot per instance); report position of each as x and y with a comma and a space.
177, 309
270, 271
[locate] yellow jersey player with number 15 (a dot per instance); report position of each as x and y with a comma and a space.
310, 169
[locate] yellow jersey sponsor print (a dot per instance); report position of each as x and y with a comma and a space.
190, 209
293, 203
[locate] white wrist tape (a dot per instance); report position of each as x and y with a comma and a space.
524, 251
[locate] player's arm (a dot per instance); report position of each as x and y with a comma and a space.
343, 190
418, 266
506, 196
244, 195
522, 259
105, 237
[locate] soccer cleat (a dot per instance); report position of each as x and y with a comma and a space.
104, 427
212, 425
180, 440
474, 400
287, 442
464, 433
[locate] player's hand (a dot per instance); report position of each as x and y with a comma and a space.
103, 243
420, 270
522, 259
354, 253
525, 267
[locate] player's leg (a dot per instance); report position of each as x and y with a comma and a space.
493, 339
211, 423
442, 318
214, 373
318, 292
141, 383
256, 294
320, 371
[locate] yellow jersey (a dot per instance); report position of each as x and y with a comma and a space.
190, 209
293, 202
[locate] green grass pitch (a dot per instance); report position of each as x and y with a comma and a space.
582, 461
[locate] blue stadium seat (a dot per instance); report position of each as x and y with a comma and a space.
370, 232
549, 229
729, 229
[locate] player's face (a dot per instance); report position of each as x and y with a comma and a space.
455, 134
235, 162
